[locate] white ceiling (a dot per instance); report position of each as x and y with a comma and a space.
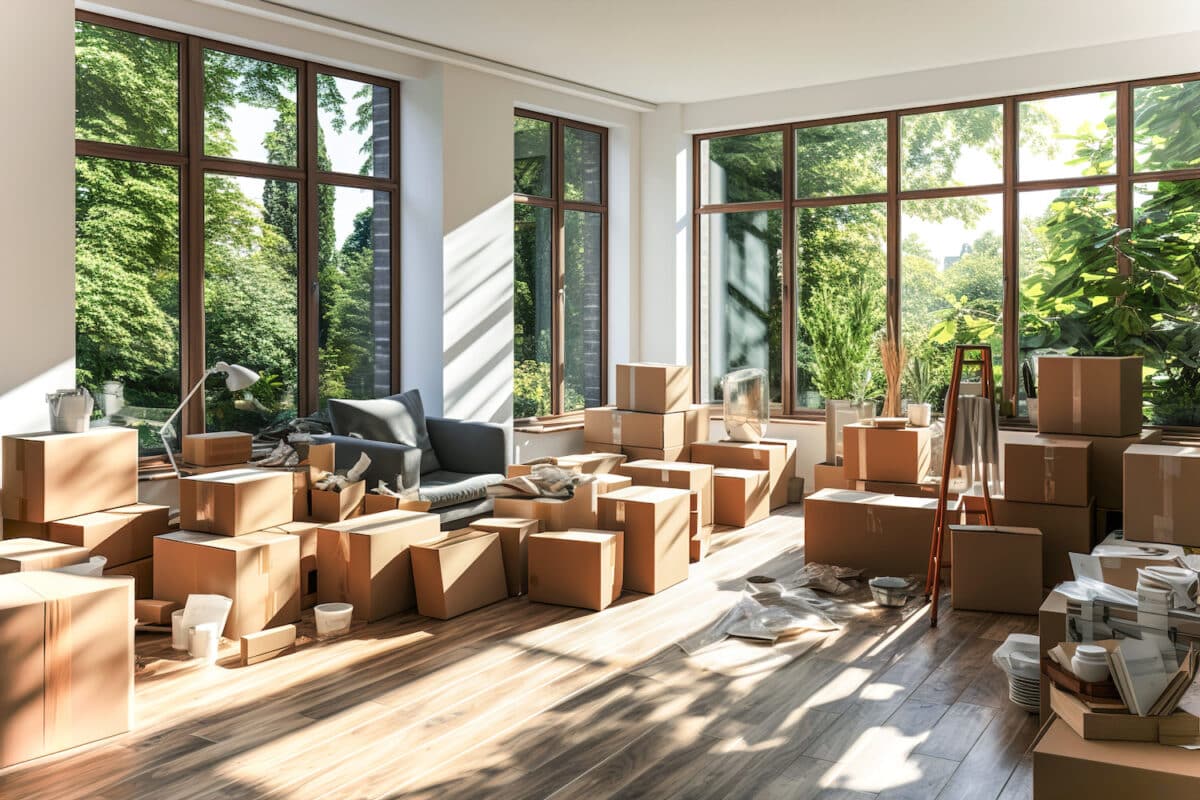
673, 51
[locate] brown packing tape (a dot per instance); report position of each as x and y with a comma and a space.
616, 427
619, 510
57, 670
1163, 524
1049, 492
205, 505
862, 454
1077, 395
874, 526
633, 398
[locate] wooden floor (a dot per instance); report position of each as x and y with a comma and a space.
524, 700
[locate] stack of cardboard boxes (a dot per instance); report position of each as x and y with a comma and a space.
80, 489
654, 417
67, 640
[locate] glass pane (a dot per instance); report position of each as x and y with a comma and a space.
249, 109
581, 163
740, 297
1164, 291
582, 325
533, 230
841, 291
1166, 134
127, 292
250, 298
741, 169
951, 267
1066, 271
126, 88
354, 121
354, 269
845, 159
960, 147
1066, 137
531, 156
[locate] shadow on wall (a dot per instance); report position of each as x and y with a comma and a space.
23, 393
477, 326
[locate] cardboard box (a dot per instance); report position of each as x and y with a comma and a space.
1064, 765
741, 497
514, 547
1065, 530
599, 463
831, 476
306, 532
1162, 494
259, 571
265, 645
1102, 726
217, 449
142, 573
321, 458
609, 425
235, 501
581, 568
329, 506
154, 612
672, 454
1106, 467
696, 478
49, 476
696, 423
20, 529
1048, 470
996, 569
655, 388
878, 533
746, 455
1094, 395
366, 561
27, 555
900, 455
657, 531
67, 659
782, 492
700, 542
562, 514
1120, 559
122, 535
375, 503
458, 574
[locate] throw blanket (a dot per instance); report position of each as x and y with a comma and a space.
976, 456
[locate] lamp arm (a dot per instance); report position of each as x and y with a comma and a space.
162, 432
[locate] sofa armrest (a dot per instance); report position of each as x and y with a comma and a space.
471, 447
387, 459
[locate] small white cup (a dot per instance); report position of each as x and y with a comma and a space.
1090, 664
203, 641
179, 636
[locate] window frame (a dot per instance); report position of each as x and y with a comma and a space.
559, 207
193, 165
1122, 181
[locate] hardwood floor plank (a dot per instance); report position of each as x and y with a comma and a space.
957, 731
983, 773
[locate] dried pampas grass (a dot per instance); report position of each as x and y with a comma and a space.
894, 358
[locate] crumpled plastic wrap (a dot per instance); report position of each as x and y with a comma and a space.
764, 616
825, 578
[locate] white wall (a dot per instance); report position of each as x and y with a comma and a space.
37, 271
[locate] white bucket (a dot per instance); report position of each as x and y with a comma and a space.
179, 634
333, 619
920, 414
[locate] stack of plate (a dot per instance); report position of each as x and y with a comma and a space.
1018, 657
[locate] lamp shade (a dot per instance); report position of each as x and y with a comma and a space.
237, 377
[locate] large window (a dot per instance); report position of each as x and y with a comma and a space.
1061, 222
235, 206
560, 226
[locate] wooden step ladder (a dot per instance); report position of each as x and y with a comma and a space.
965, 355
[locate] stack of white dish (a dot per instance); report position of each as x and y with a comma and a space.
1018, 657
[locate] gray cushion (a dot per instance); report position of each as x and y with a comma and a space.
444, 488
399, 419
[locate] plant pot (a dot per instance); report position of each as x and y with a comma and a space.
920, 414
1031, 404
838, 414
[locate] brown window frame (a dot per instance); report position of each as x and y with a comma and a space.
559, 206
193, 165
1122, 181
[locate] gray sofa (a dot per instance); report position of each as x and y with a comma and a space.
452, 461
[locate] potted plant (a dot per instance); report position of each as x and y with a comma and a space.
840, 325
919, 386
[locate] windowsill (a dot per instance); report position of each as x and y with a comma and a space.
553, 424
